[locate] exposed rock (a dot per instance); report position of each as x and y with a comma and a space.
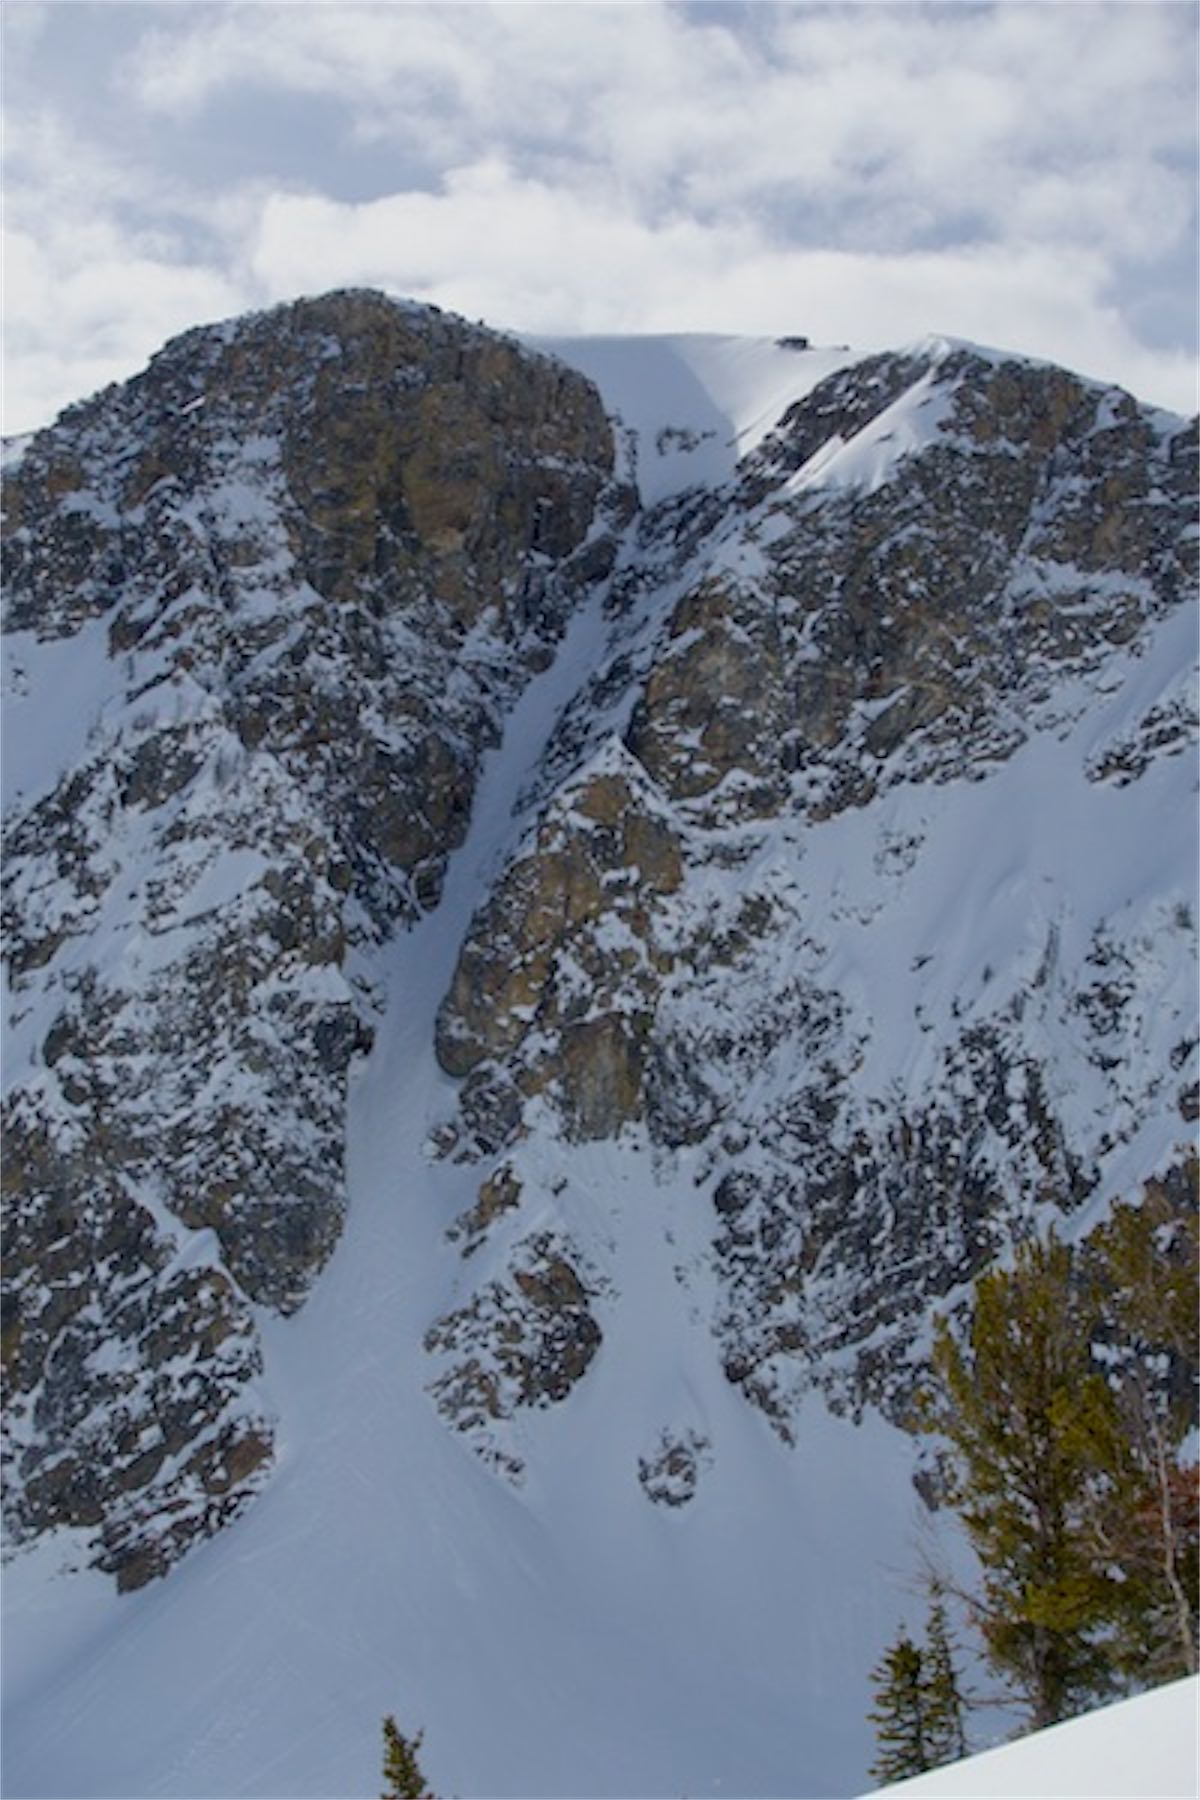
669, 1475
520, 1342
715, 705
500, 1193
306, 560
837, 641
126, 1370
567, 927
304, 566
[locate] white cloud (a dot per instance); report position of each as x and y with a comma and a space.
564, 262
89, 312
88, 294
864, 174
848, 114
23, 22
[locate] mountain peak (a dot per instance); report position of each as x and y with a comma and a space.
559, 907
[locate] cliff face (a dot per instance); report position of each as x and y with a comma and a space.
268, 605
840, 888
847, 895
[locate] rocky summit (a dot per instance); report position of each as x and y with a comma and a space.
708, 874
300, 567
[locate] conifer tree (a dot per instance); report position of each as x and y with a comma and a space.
899, 1713
401, 1770
1024, 1413
945, 1736
1146, 1513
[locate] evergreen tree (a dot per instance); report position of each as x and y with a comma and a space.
945, 1737
1024, 1413
401, 1770
1145, 1514
899, 1713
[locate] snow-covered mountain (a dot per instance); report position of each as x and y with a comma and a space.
560, 900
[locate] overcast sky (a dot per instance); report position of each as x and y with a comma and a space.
1024, 175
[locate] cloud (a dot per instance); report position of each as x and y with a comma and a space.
92, 311
873, 120
564, 263
22, 23
97, 271
1017, 174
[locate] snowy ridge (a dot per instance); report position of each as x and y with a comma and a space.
695, 403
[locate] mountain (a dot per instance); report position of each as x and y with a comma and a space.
561, 900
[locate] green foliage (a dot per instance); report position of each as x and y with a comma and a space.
1028, 1419
1064, 1412
899, 1713
918, 1715
401, 1770
1146, 1260
1145, 1517
945, 1736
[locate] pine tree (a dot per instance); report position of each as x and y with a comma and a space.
899, 1714
945, 1736
1025, 1415
1146, 1513
401, 1770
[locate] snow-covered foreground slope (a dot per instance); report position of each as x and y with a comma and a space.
825, 919
1141, 1749
570, 1639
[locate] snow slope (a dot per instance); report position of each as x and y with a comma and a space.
571, 1639
1141, 1749
695, 402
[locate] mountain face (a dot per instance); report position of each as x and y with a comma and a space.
748, 916
838, 892
292, 576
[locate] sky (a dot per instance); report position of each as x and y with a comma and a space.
1024, 175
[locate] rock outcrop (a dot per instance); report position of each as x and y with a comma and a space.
298, 570
932, 575
521, 1342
